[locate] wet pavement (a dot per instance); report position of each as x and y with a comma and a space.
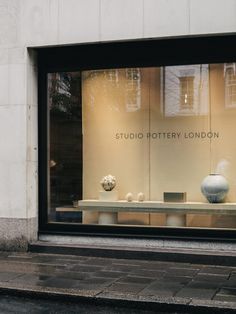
141, 284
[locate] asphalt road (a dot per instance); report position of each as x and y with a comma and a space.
18, 305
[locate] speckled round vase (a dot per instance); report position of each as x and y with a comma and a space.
215, 187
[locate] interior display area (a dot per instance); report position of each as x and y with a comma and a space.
147, 146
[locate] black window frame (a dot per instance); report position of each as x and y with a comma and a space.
124, 54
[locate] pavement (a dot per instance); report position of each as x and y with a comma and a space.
130, 283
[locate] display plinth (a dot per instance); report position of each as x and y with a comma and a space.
108, 195
176, 211
107, 218
175, 220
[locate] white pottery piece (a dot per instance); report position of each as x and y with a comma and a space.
215, 187
108, 182
141, 197
129, 197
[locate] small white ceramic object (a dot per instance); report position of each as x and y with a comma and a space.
141, 197
129, 197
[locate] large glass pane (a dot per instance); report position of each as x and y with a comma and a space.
159, 131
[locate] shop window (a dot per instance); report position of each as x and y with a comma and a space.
128, 142
131, 146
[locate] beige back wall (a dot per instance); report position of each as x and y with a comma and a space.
153, 164
105, 118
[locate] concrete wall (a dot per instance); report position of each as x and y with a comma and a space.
33, 23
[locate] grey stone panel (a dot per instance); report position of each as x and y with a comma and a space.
16, 233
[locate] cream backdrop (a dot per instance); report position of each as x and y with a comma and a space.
154, 165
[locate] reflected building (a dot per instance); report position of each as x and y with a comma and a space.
133, 89
185, 90
230, 85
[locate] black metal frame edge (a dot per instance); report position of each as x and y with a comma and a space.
165, 51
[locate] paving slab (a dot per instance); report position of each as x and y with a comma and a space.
194, 287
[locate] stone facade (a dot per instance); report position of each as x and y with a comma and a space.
25, 24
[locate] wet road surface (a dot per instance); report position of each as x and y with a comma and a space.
18, 305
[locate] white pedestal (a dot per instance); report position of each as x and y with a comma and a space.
108, 196
176, 220
107, 218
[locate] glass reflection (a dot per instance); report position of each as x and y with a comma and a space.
65, 155
230, 85
185, 90
159, 129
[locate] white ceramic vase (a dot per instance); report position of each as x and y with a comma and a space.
215, 187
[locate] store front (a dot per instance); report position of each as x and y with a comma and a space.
137, 138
